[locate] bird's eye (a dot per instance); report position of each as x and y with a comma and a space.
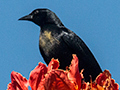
36, 12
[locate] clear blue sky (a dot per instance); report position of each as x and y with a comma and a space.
97, 22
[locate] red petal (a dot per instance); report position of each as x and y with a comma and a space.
114, 85
85, 85
9, 86
102, 77
58, 80
54, 64
74, 74
18, 82
37, 76
105, 80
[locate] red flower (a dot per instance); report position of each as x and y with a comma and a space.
18, 82
52, 78
104, 80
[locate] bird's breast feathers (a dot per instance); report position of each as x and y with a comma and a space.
47, 41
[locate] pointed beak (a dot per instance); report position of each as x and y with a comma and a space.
27, 17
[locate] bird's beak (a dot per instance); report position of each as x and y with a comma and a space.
27, 17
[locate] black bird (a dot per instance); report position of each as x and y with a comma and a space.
56, 41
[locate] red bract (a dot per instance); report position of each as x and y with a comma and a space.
101, 79
54, 64
52, 78
74, 74
18, 82
104, 80
58, 80
37, 76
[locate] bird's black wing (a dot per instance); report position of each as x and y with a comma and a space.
77, 45
86, 58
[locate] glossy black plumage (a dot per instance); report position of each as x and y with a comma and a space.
56, 41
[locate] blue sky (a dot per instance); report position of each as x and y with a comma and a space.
97, 22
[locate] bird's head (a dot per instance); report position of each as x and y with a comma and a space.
42, 17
